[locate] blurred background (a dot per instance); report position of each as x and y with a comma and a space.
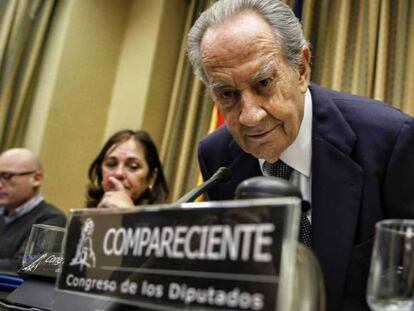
72, 72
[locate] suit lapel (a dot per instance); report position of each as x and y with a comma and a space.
242, 167
336, 191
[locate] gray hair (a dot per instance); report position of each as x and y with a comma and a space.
286, 27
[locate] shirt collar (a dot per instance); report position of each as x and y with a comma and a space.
22, 209
299, 154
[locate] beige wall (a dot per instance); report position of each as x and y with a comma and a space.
147, 66
102, 60
165, 60
134, 67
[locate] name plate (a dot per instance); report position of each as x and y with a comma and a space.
212, 255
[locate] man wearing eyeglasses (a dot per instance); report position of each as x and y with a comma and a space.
21, 204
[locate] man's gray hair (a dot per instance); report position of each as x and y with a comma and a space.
286, 27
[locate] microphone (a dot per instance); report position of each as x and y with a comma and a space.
221, 175
268, 187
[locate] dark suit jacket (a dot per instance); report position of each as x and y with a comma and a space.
362, 172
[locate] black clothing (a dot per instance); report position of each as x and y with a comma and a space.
362, 172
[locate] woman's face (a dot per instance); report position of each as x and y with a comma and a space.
126, 162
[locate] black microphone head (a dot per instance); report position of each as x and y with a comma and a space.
266, 187
221, 175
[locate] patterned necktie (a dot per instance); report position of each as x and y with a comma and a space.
281, 169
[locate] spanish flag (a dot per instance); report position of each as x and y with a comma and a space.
216, 119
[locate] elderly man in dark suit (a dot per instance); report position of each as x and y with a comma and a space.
350, 156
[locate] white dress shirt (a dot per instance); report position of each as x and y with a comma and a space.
299, 154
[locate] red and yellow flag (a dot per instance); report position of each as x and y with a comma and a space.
216, 119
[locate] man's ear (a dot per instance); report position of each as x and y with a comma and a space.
304, 69
37, 178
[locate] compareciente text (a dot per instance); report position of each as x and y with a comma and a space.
213, 242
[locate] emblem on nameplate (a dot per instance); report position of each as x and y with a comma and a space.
85, 256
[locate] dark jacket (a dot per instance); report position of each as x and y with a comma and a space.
362, 172
13, 236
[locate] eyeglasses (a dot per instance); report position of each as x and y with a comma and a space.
7, 176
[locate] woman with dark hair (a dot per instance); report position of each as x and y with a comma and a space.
127, 172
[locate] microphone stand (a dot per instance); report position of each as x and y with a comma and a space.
221, 175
